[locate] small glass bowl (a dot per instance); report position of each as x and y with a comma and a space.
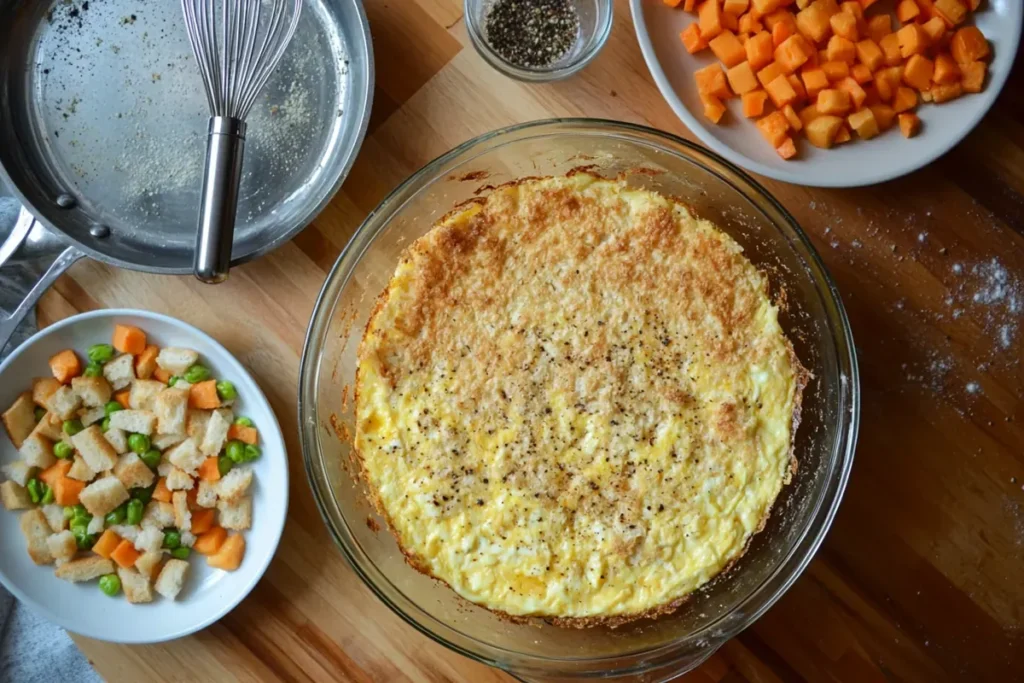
595, 25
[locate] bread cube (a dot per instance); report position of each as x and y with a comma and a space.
147, 563
42, 389
118, 439
176, 360
20, 419
182, 515
14, 496
158, 515
50, 427
234, 484
186, 457
172, 578
171, 408
93, 391
143, 394
149, 540
162, 442
36, 531
62, 545
120, 372
64, 402
206, 496
137, 421
132, 472
128, 532
91, 444
103, 495
85, 569
37, 451
18, 471
235, 515
135, 586
55, 516
179, 480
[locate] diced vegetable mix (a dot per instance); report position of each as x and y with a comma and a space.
105, 479
831, 68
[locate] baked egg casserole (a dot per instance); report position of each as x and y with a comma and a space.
574, 401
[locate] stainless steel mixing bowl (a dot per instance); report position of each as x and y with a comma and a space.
812, 316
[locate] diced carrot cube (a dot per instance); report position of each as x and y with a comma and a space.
106, 544
869, 54
867, 3
759, 50
815, 81
777, 17
162, 375
203, 520
890, 47
912, 40
861, 73
907, 10
122, 398
714, 110
129, 339
787, 150
65, 366
753, 103
945, 93
769, 74
229, 556
935, 28
821, 131
841, 50
125, 554
765, 7
918, 72
793, 53
905, 100
836, 71
208, 469
672, 3
729, 22
735, 7
834, 102
728, 48
969, 45
843, 135
774, 128
210, 541
863, 121
55, 472
878, 27
692, 39
66, 491
709, 14
953, 11
203, 395
798, 87
748, 24
742, 78
973, 76
145, 363
809, 113
853, 89
853, 8
780, 32
161, 492
690, 5
794, 119
887, 82
781, 91
946, 70
844, 24
909, 125
884, 114
813, 21
710, 81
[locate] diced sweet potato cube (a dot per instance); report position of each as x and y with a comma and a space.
953, 11
887, 81
907, 10
972, 76
878, 27
854, 8
860, 73
841, 50
781, 91
821, 131
798, 87
735, 7
728, 48
905, 99
780, 32
863, 121
749, 24
836, 71
834, 102
969, 45
918, 71
713, 107
759, 50
730, 22
867, 3
912, 40
65, 366
753, 103
935, 28
774, 128
777, 17
692, 39
794, 119
765, 7
787, 150
870, 55
813, 21
815, 81
711, 81
672, 3
890, 46
909, 125
843, 135
769, 74
690, 5
808, 114
709, 15
945, 93
793, 53
884, 114
853, 89
844, 24
742, 78
946, 70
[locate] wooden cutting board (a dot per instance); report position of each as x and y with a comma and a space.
922, 575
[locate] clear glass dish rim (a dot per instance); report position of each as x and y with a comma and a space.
476, 37
761, 598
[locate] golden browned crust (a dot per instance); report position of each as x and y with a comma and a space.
454, 249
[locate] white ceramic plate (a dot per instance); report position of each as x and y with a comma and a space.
860, 163
209, 593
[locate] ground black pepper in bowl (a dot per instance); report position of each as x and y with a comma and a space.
532, 33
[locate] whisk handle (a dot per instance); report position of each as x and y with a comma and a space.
224, 150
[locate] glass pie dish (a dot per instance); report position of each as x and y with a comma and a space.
812, 316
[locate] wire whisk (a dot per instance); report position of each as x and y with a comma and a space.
237, 45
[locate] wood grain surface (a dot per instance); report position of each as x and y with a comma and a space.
922, 575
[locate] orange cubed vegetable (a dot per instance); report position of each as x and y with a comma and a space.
794, 119
905, 99
793, 53
863, 121
815, 81
953, 11
728, 48
710, 81
814, 20
210, 541
918, 71
878, 27
748, 24
162, 375
709, 14
106, 544
55, 472
969, 45
780, 32
907, 10
787, 150
912, 40
208, 470
251, 435
730, 22
690, 5
774, 128
735, 7
781, 92
759, 50
821, 131
890, 46
125, 554
145, 364
161, 492
834, 102
692, 39
909, 125
798, 87
887, 82
945, 93
714, 110
229, 557
672, 3
202, 520
741, 79
972, 76
843, 135
66, 491
836, 71
65, 366
884, 114
860, 73
129, 339
780, 16
946, 70
769, 74
853, 89
935, 28
203, 395
753, 103
765, 7
867, 3
841, 50
869, 54
844, 24
853, 8
808, 114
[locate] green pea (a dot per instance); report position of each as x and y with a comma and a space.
251, 453
224, 464
79, 527
110, 584
197, 373
47, 497
143, 495
100, 353
139, 443
72, 427
243, 422
85, 540
180, 553
117, 515
172, 539
93, 370
80, 511
173, 379
62, 449
40, 413
134, 515
112, 407
69, 512
105, 425
151, 458
35, 491
226, 390
235, 450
